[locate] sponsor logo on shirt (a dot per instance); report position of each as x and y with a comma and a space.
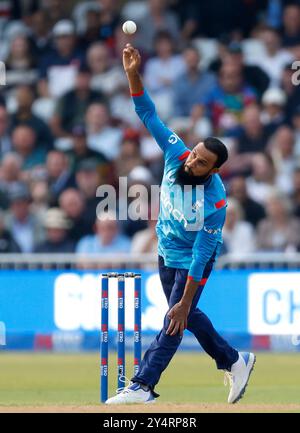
212, 231
173, 139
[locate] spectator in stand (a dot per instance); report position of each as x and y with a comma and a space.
145, 241
231, 52
158, 19
102, 136
88, 178
253, 211
275, 58
122, 109
296, 193
260, 185
72, 202
5, 139
10, 172
238, 235
23, 225
40, 197
107, 238
130, 155
291, 26
56, 10
192, 86
72, 106
282, 150
57, 227
59, 175
25, 144
24, 116
162, 70
237, 17
80, 150
296, 126
188, 14
140, 180
59, 66
273, 114
21, 67
7, 243
279, 231
109, 20
228, 100
40, 36
107, 77
253, 136
88, 24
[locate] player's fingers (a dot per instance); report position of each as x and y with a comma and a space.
175, 329
181, 329
170, 327
170, 314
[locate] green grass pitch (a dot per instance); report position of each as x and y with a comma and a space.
66, 379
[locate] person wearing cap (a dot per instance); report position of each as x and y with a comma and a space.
273, 115
24, 226
58, 67
57, 226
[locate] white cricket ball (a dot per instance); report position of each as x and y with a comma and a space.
129, 27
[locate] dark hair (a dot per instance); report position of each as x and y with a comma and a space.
216, 146
163, 35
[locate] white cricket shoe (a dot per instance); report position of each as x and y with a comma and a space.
239, 376
132, 394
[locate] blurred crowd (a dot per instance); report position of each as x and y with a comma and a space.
67, 122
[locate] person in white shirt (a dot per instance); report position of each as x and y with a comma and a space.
238, 235
106, 77
102, 137
275, 58
161, 71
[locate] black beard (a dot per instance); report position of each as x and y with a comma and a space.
183, 178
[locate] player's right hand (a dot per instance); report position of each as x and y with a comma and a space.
131, 59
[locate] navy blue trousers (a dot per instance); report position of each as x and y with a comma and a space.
164, 346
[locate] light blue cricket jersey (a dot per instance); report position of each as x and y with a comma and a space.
179, 245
